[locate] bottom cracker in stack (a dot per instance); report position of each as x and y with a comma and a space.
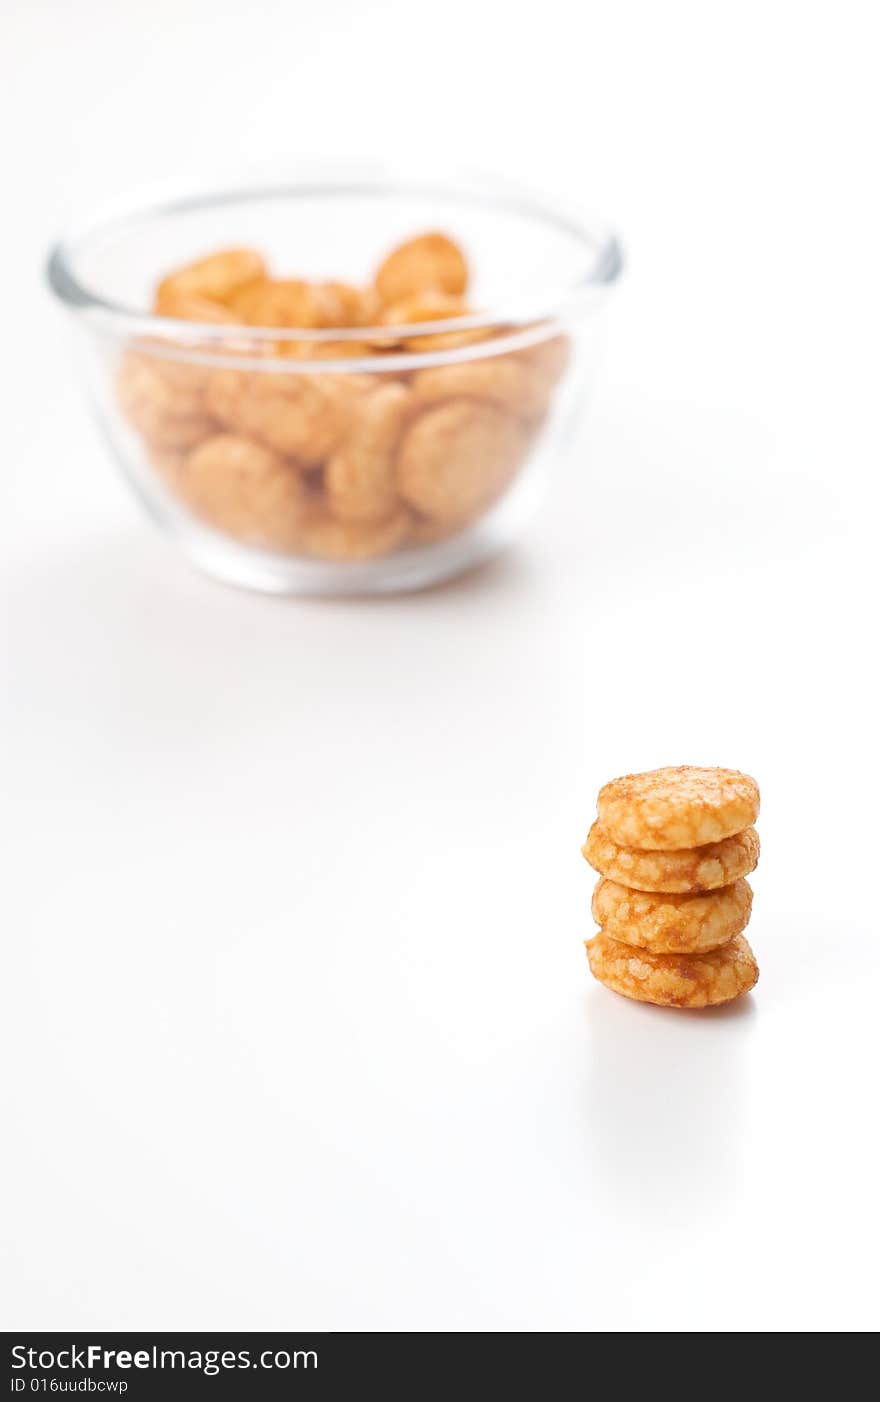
673, 848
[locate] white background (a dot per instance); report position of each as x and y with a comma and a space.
298, 1029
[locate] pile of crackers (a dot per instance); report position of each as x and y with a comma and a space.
673, 848
325, 461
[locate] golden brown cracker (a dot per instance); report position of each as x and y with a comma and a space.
674, 980
687, 870
429, 262
359, 477
456, 457
670, 924
244, 490
303, 416
163, 400
664, 810
219, 277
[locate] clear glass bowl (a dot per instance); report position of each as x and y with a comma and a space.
258, 447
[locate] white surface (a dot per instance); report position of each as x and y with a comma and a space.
298, 1027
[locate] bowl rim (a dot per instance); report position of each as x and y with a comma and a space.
525, 319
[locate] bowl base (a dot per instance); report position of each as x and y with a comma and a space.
406, 572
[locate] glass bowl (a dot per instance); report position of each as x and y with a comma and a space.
307, 456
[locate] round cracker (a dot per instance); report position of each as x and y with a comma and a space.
163, 400
689, 870
359, 478
432, 262
667, 809
219, 277
456, 459
668, 924
674, 980
298, 416
244, 490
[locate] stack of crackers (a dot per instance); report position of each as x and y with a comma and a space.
673, 848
